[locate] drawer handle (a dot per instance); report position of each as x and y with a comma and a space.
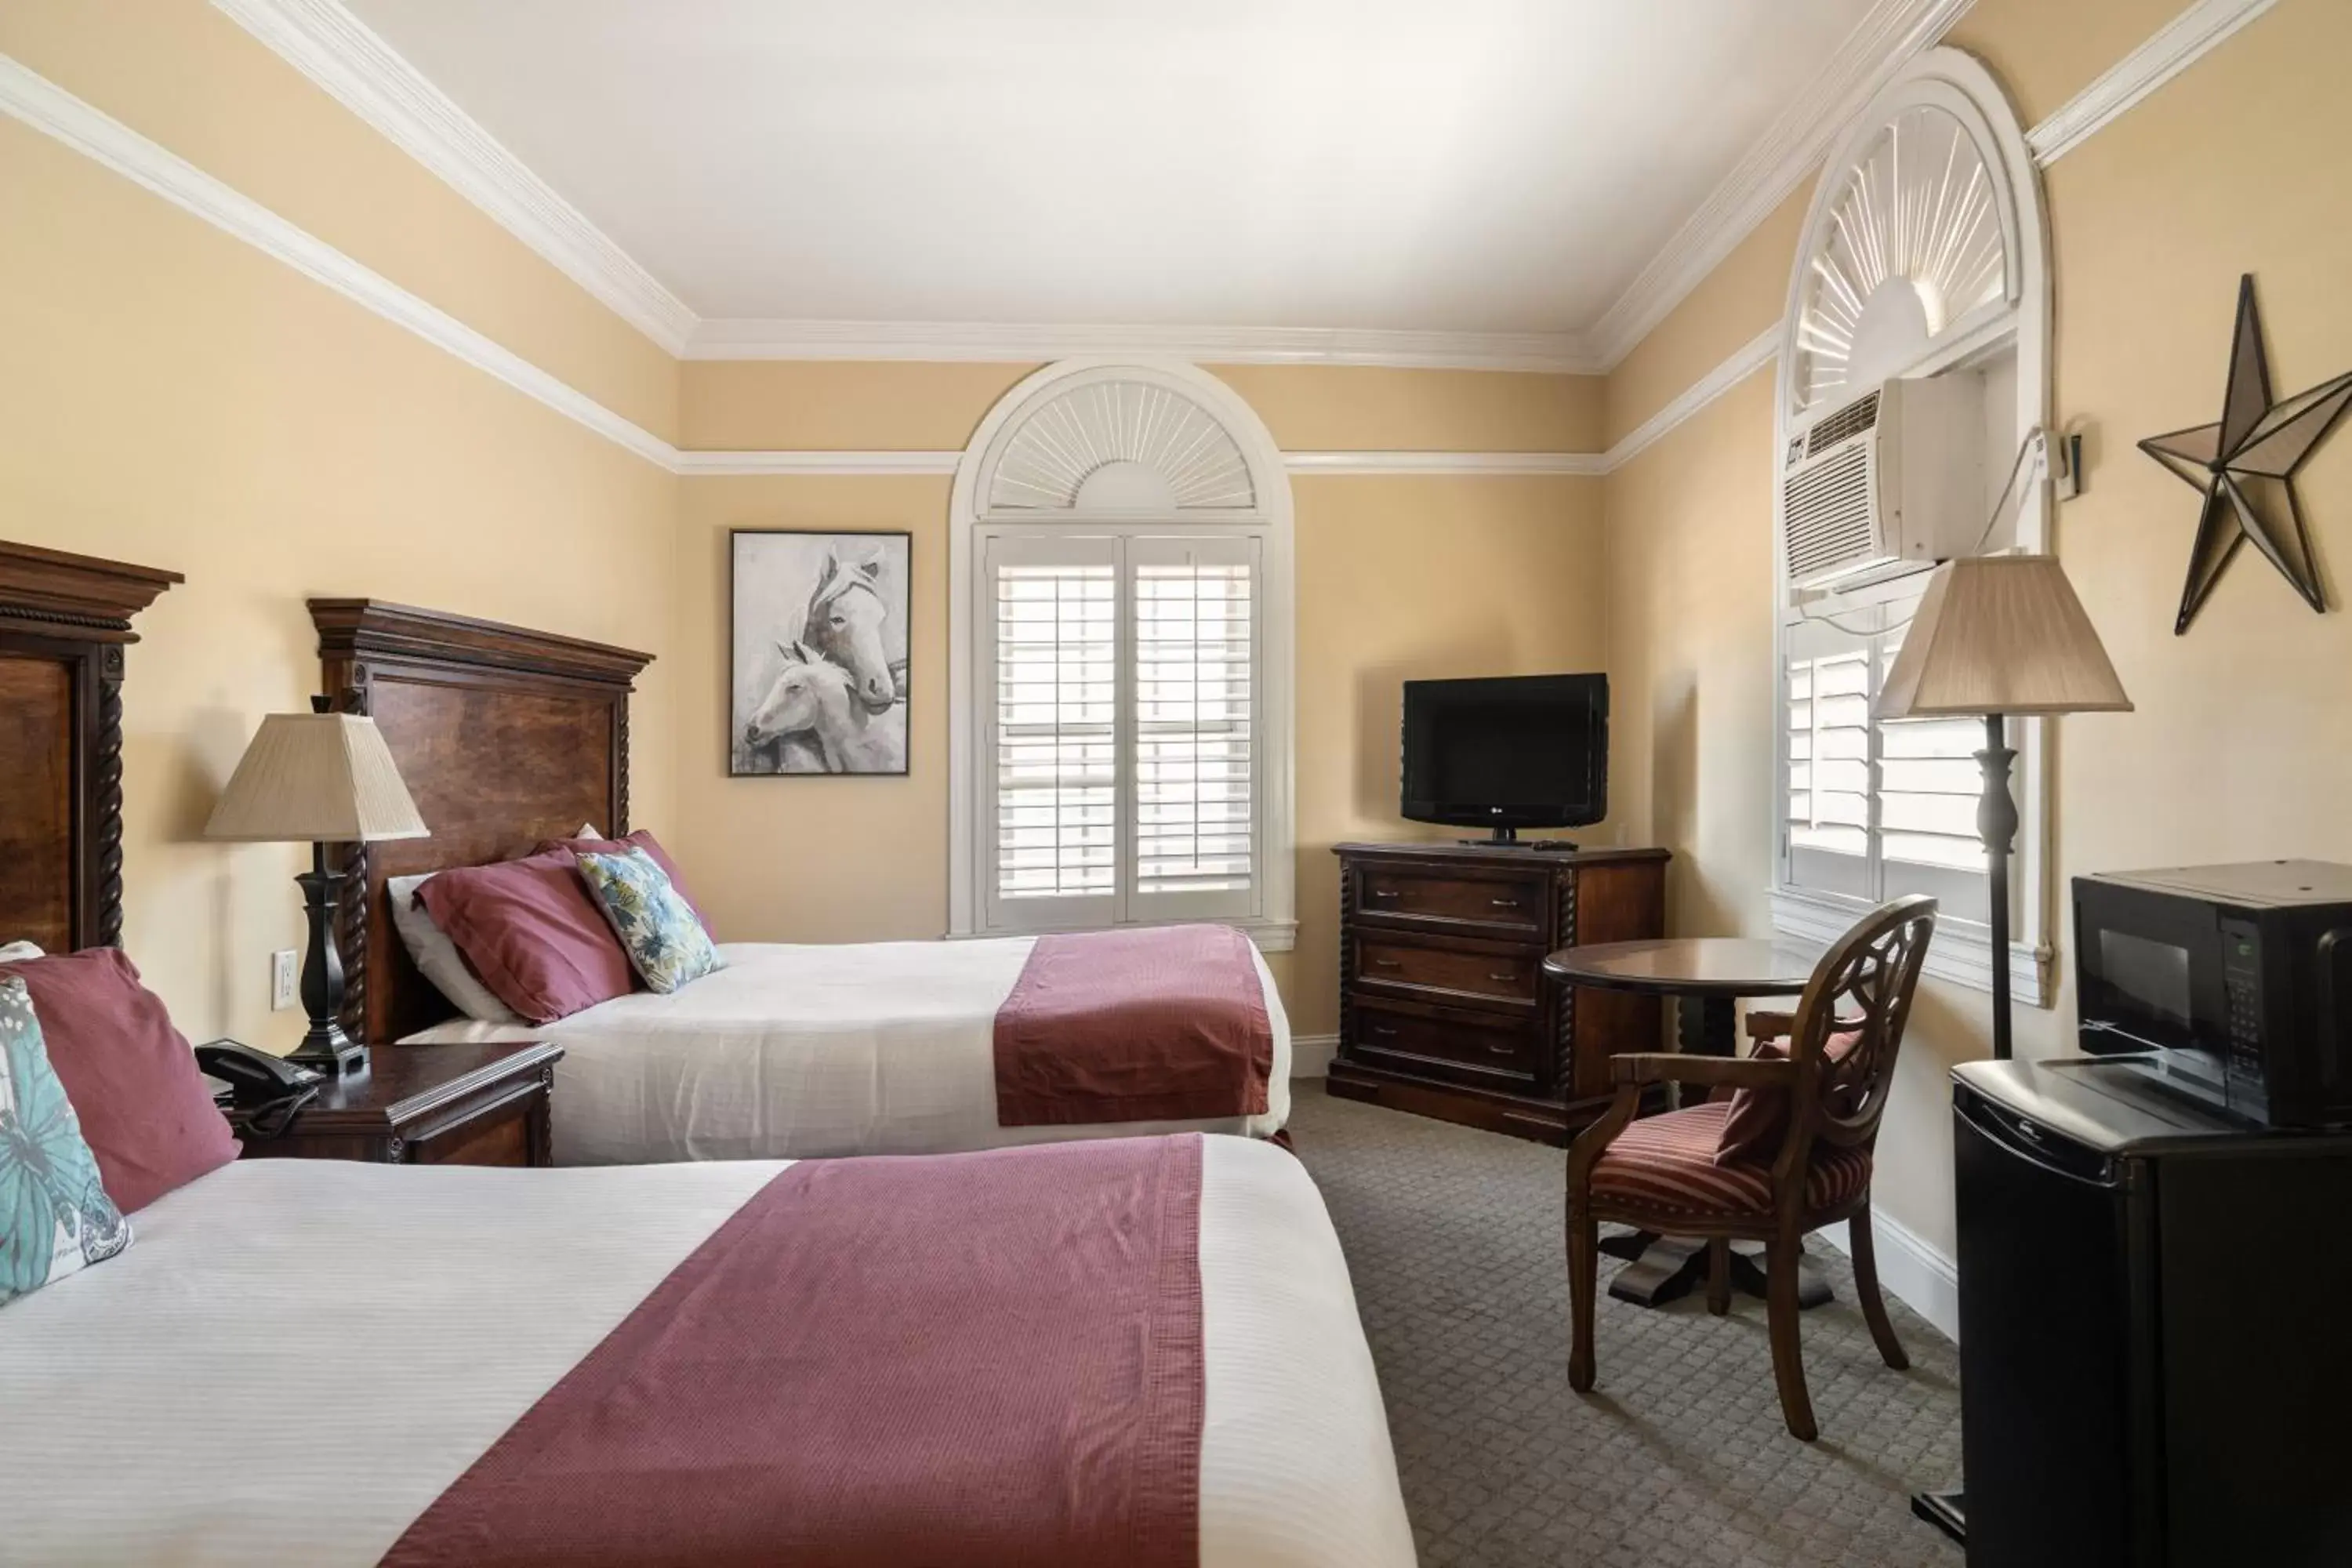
1504, 903
1384, 892
1503, 1050
1385, 1031
1506, 974
1386, 964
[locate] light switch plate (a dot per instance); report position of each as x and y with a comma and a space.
285, 980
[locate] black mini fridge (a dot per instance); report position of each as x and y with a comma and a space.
2155, 1326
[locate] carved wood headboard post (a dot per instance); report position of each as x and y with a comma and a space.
64, 620
504, 736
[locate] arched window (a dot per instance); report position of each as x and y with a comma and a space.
1924, 256
1120, 657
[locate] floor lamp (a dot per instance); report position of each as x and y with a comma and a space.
1997, 636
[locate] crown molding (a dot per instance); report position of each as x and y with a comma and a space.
1746, 361
1780, 159
2174, 47
26, 96
1478, 463
864, 465
336, 50
761, 338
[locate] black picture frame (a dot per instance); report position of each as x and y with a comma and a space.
848, 715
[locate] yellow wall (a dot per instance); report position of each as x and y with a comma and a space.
183, 74
1400, 579
2242, 747
176, 398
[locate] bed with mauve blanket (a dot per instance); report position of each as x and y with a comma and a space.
1118, 1353
914, 1048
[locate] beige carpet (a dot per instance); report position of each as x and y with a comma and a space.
1678, 1457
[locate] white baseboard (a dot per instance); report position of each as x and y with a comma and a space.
1310, 1054
1911, 1271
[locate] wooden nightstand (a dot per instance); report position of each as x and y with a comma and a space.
427, 1105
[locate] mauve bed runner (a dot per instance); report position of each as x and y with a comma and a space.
1166, 1024
973, 1359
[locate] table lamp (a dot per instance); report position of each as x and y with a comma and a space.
1996, 636
319, 778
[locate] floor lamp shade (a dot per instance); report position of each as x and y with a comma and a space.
316, 778
319, 778
2000, 634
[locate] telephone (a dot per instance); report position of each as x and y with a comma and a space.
265, 1092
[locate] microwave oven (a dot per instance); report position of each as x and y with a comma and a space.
2230, 984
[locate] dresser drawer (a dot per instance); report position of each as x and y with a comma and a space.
1463, 969
1508, 903
1468, 1048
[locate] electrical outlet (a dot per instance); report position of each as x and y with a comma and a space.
285, 980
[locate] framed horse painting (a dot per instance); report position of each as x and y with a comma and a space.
819, 666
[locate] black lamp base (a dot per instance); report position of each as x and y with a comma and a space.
337, 1055
326, 1048
1947, 1511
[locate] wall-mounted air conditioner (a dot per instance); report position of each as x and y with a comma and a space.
1888, 483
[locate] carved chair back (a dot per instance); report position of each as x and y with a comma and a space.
1860, 990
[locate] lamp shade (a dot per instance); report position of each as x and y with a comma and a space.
316, 778
2000, 634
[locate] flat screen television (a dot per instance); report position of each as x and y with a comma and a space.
1528, 750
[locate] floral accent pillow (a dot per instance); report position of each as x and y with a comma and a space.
657, 927
55, 1215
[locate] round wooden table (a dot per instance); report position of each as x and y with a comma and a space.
1707, 976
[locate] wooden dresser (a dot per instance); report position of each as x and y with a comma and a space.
1444, 1008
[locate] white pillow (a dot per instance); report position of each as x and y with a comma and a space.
588, 830
437, 956
18, 953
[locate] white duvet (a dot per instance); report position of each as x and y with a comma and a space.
795, 1052
297, 1357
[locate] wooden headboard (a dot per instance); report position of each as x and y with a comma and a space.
504, 737
64, 620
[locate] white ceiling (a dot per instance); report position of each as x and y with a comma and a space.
1486, 166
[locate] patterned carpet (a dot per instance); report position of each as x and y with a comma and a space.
1678, 1456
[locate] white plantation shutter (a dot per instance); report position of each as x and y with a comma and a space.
1875, 810
1120, 760
1194, 607
1054, 741
1928, 786
1826, 691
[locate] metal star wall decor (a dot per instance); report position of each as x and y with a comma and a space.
2245, 467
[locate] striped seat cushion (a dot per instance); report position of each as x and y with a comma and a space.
1667, 1164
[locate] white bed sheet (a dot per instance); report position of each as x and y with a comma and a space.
297, 1357
796, 1052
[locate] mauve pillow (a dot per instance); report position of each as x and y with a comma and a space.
133, 1082
1759, 1119
587, 844
529, 930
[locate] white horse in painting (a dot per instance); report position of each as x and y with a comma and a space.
814, 707
844, 624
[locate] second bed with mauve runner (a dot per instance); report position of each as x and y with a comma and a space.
971, 1359
1164, 1024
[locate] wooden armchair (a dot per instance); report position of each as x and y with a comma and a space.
1662, 1172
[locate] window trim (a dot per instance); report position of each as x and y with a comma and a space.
1273, 926
1952, 79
